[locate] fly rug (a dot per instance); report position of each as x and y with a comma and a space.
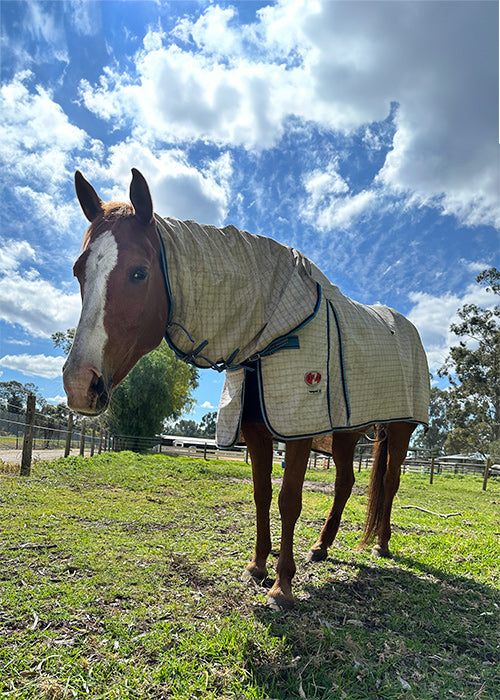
323, 362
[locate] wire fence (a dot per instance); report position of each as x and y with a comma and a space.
48, 434
24, 432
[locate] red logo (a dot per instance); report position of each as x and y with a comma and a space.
312, 378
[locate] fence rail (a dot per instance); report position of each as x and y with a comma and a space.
22, 434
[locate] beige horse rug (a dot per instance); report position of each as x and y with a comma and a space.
242, 303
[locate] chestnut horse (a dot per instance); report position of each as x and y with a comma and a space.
124, 316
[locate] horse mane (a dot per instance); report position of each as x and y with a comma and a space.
111, 212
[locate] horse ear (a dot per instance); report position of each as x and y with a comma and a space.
90, 201
140, 197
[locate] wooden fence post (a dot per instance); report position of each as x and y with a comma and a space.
28, 436
92, 442
432, 470
82, 440
69, 435
486, 473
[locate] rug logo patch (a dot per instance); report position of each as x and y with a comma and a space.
313, 380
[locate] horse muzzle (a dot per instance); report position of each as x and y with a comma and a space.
87, 390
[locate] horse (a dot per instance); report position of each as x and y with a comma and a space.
129, 273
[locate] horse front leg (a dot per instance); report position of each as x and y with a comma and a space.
290, 504
343, 445
260, 447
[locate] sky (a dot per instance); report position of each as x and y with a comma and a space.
363, 133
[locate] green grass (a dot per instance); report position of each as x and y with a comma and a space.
120, 578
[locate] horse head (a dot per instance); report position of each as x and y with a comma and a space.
124, 303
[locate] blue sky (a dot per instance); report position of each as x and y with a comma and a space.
363, 133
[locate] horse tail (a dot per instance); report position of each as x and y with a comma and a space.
376, 489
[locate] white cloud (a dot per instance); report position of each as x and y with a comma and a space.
433, 315
17, 341
48, 29
178, 189
34, 365
36, 305
211, 31
39, 146
57, 399
47, 210
13, 253
207, 404
85, 17
29, 301
36, 134
338, 64
329, 204
184, 96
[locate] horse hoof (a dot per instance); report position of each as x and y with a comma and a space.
257, 576
315, 555
279, 603
381, 553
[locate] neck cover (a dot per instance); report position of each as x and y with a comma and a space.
233, 296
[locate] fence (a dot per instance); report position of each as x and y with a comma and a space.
32, 430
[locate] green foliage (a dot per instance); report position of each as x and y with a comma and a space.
158, 387
473, 370
64, 339
13, 395
208, 424
434, 438
190, 428
120, 579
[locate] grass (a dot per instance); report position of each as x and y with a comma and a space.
120, 578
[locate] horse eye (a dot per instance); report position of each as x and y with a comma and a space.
138, 274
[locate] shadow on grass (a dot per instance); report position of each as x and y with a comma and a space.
397, 629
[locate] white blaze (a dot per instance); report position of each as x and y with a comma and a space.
91, 336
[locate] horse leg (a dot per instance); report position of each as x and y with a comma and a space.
384, 485
343, 445
260, 447
290, 504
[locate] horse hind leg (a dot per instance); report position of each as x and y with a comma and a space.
343, 445
389, 454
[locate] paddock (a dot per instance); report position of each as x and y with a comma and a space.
120, 578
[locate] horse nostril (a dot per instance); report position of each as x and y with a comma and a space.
97, 383
101, 390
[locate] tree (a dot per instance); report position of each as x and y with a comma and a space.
158, 387
473, 370
13, 395
190, 428
208, 424
433, 439
186, 428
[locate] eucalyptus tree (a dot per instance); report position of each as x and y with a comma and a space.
473, 370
